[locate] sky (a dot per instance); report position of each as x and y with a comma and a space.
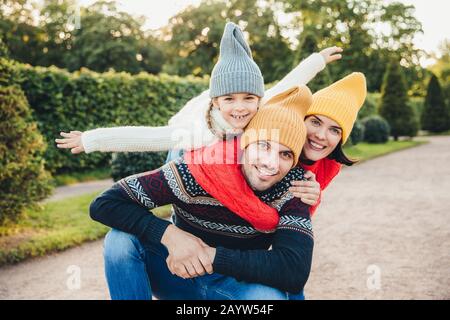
433, 14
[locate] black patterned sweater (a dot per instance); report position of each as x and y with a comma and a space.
241, 251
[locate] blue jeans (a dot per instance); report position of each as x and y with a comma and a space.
134, 271
174, 154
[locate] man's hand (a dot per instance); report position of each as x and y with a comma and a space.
72, 140
188, 255
308, 191
331, 54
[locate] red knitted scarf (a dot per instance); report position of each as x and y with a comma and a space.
217, 170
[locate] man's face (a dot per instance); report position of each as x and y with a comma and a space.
266, 163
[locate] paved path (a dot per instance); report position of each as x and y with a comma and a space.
382, 232
79, 189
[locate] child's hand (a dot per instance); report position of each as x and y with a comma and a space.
331, 54
308, 191
71, 141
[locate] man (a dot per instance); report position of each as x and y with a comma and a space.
211, 252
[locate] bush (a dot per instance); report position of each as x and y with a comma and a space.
23, 180
357, 134
129, 163
376, 129
85, 100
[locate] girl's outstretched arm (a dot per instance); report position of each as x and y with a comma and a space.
136, 139
186, 130
305, 71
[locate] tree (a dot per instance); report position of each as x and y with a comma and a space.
442, 68
194, 37
107, 38
307, 46
435, 116
99, 37
57, 21
351, 24
394, 103
23, 38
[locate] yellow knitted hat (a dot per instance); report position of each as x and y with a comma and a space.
281, 119
341, 101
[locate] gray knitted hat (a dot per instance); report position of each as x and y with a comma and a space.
235, 71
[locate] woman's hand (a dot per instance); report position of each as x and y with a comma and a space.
72, 140
331, 54
308, 191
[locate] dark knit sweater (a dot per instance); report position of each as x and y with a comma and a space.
242, 252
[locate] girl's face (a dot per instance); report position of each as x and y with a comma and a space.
237, 108
323, 135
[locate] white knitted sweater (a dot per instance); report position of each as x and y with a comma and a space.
188, 129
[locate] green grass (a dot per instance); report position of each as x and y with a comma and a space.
365, 151
66, 179
54, 227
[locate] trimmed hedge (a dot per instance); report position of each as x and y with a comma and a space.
84, 100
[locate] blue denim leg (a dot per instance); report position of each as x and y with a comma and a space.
135, 272
296, 296
220, 287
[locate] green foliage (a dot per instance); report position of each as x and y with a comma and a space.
369, 107
394, 103
417, 104
436, 115
352, 25
85, 100
195, 35
8, 72
307, 47
357, 134
376, 129
129, 163
442, 68
101, 37
3, 49
23, 180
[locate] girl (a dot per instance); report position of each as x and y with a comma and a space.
236, 91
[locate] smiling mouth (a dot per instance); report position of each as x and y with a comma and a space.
315, 146
240, 117
265, 173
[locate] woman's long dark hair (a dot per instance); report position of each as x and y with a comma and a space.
339, 156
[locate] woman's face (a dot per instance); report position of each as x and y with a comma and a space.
323, 135
237, 108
